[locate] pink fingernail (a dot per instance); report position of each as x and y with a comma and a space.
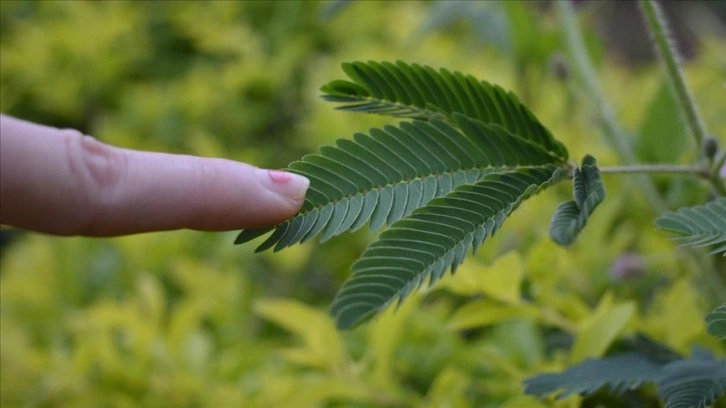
282, 182
279, 176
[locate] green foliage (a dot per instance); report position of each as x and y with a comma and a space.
662, 136
695, 382
412, 90
433, 239
184, 319
684, 383
571, 216
619, 373
716, 321
385, 176
442, 188
698, 226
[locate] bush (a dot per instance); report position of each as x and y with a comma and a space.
186, 319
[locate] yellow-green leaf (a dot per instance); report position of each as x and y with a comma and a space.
598, 332
501, 280
383, 337
324, 348
482, 313
449, 389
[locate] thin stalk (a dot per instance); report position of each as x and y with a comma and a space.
611, 129
656, 168
659, 28
713, 177
586, 72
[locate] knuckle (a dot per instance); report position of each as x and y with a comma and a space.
99, 169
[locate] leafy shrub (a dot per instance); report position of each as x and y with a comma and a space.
180, 319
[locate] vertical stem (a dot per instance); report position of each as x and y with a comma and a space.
615, 136
659, 28
585, 70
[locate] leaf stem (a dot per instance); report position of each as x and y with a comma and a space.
656, 168
659, 28
714, 178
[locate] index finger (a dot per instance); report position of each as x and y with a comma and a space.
62, 182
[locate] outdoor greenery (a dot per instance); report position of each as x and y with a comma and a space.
609, 312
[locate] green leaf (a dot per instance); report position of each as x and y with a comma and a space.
571, 216
620, 373
433, 239
698, 226
662, 137
323, 346
695, 382
600, 329
484, 312
502, 280
382, 177
683, 383
420, 92
716, 322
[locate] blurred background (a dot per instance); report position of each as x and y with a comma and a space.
186, 319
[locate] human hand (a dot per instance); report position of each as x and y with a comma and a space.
64, 183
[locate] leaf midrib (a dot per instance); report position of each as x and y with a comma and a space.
425, 112
495, 169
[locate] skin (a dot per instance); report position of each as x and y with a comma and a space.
61, 182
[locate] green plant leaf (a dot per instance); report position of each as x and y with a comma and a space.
384, 176
662, 136
420, 92
694, 382
571, 216
698, 226
716, 322
683, 383
620, 373
323, 345
433, 239
599, 330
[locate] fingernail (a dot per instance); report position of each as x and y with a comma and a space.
282, 182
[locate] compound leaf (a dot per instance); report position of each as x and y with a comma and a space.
571, 216
382, 177
420, 92
695, 382
620, 373
698, 226
433, 239
716, 322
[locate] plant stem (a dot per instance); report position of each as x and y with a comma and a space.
585, 70
659, 28
703, 172
655, 168
615, 136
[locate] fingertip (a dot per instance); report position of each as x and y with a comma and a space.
289, 185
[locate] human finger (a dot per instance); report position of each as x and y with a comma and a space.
63, 182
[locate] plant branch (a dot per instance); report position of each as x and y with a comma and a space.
714, 178
586, 71
656, 168
659, 28
615, 136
